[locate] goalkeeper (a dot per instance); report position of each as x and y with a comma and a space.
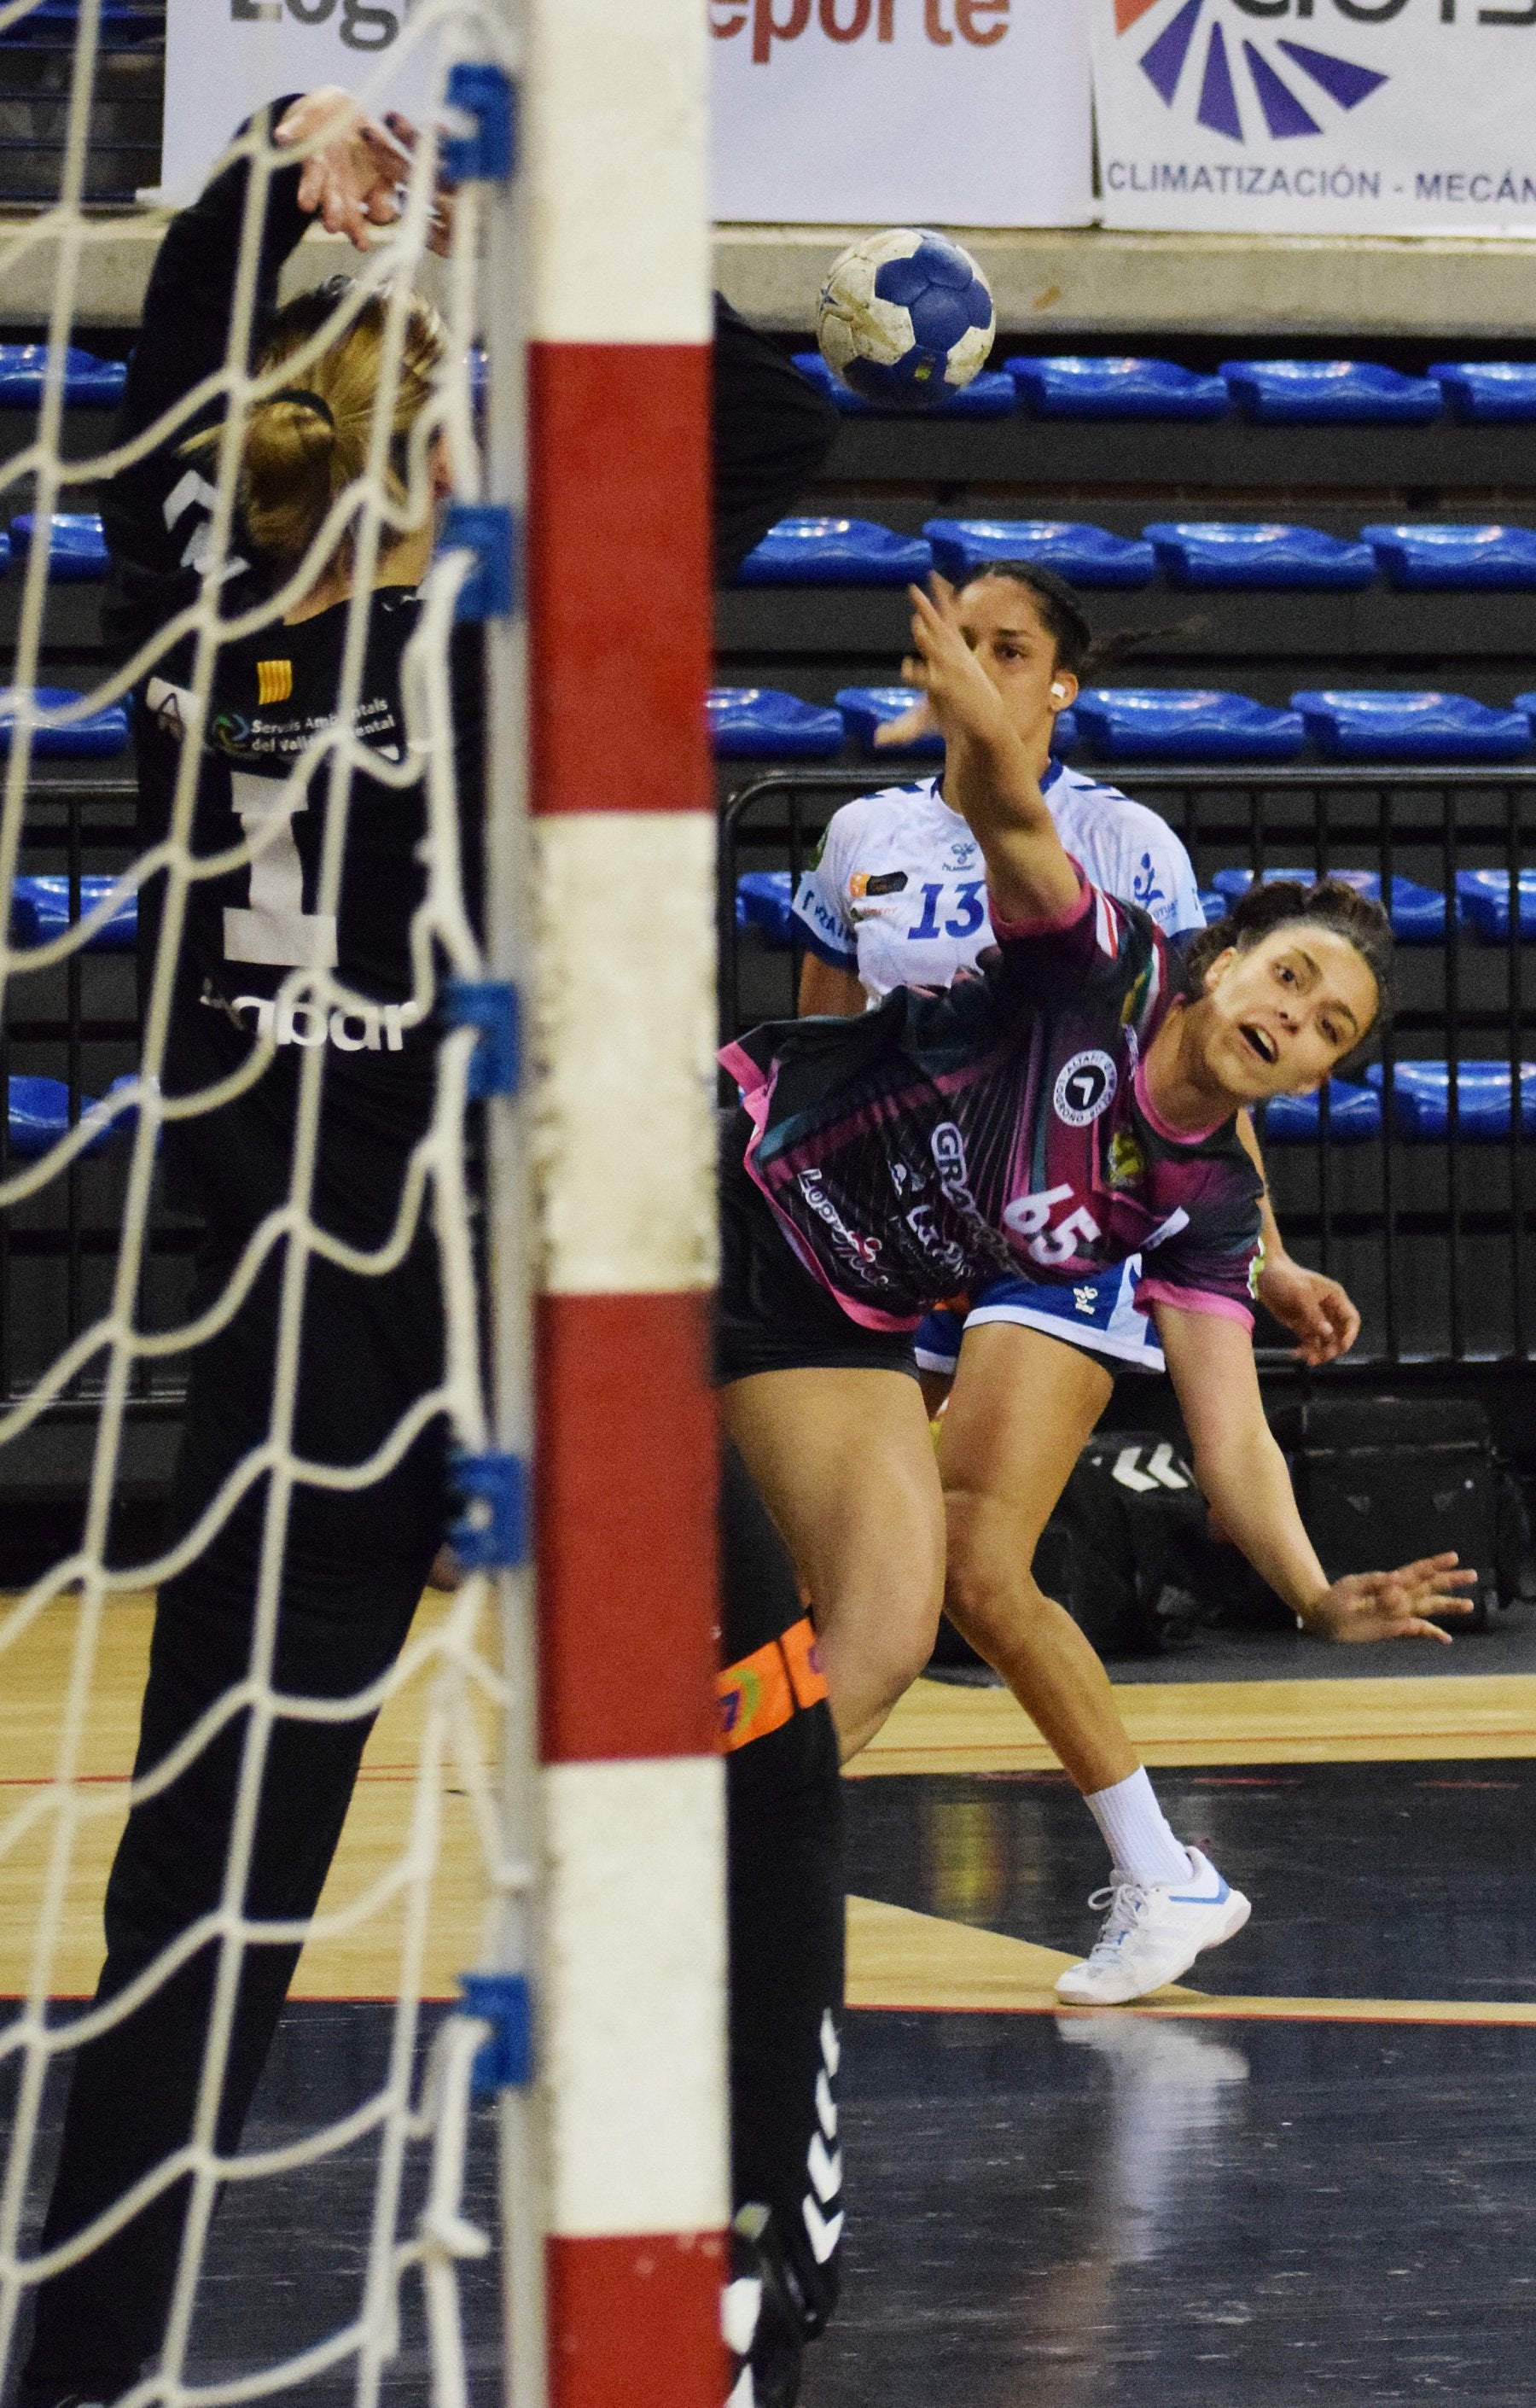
351, 1566
349, 1569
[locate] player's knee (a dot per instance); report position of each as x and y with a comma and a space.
989, 1590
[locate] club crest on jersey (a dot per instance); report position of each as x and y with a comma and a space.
1084, 1087
1127, 1161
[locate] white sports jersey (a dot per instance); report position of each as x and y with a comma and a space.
897, 893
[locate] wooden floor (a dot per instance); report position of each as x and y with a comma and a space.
897, 1958
937, 1728
361, 1963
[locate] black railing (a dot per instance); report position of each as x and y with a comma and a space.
79, 1023
1433, 1238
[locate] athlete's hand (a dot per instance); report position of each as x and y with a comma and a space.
354, 169
1391, 1605
440, 240
1317, 1311
911, 727
961, 700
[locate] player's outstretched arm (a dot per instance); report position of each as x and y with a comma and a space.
987, 775
1243, 1475
1319, 1312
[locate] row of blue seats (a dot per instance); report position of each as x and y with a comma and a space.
88, 382
1200, 553
39, 911
56, 21
1187, 725
1418, 912
38, 1116
98, 735
76, 546
1418, 1100
1270, 392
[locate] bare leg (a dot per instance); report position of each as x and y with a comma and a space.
1022, 1409
844, 1464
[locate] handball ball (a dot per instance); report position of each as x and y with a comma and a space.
906, 318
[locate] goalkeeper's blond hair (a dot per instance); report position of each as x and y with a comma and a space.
308, 441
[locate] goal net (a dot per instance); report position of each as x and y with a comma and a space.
353, 2212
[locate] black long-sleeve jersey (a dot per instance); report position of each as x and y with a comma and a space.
273, 693
247, 931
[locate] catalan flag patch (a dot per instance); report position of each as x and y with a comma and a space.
273, 680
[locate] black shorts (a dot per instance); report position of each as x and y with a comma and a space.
772, 1315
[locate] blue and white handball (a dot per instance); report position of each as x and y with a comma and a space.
906, 318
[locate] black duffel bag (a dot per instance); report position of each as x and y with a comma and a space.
1381, 1480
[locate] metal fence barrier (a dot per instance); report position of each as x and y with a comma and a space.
78, 1024
1431, 1237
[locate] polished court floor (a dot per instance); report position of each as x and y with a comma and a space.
1308, 2178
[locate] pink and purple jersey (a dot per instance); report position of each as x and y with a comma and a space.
1000, 1126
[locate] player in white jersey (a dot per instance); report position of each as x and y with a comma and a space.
896, 896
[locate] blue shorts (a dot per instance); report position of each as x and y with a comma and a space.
1099, 1314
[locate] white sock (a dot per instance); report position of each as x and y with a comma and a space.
1136, 1833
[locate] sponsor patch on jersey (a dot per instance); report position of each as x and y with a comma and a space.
1127, 1161
274, 681
1084, 1087
876, 881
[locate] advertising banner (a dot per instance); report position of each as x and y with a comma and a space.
901, 112
1317, 115
223, 58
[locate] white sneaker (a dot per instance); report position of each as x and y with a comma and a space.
1152, 1933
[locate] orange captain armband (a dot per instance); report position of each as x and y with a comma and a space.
760, 1693
804, 1658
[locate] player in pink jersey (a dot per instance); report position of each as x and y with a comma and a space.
895, 895
1067, 1108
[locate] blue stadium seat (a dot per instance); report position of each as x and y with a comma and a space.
56, 20
1420, 1100
1076, 386
1330, 393
756, 722
1456, 559
1186, 724
77, 548
1212, 904
1418, 912
87, 379
866, 708
38, 1116
1367, 725
100, 737
1065, 735
1354, 1116
763, 899
40, 906
1088, 555
835, 551
1214, 551
1492, 390
990, 394
5, 554
1482, 897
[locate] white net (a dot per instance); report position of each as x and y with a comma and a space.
343, 2226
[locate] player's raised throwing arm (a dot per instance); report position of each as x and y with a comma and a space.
988, 776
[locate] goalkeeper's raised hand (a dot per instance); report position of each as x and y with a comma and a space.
354, 168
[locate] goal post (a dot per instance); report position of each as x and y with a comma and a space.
619, 601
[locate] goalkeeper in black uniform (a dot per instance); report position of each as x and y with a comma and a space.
347, 1569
